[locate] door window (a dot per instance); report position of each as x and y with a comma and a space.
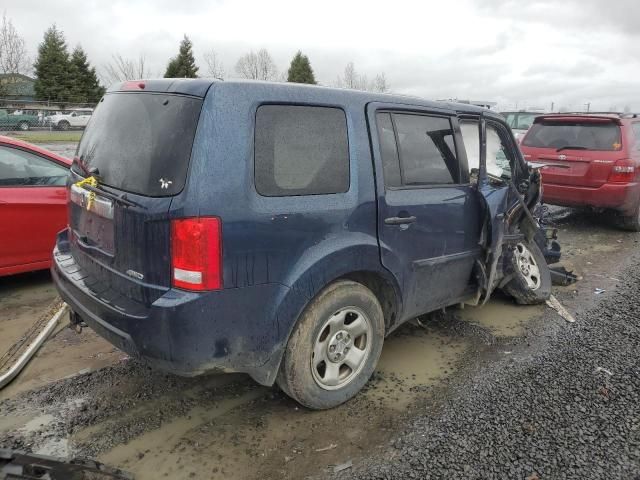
426, 150
498, 164
19, 168
470, 130
498, 157
388, 150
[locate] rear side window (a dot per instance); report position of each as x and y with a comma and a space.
301, 150
574, 135
140, 142
427, 152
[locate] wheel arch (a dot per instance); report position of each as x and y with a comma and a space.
359, 263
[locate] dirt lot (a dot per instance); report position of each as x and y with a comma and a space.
81, 397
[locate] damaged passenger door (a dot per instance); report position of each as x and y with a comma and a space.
495, 168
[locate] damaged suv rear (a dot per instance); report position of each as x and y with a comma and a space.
284, 230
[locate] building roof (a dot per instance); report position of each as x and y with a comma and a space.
17, 85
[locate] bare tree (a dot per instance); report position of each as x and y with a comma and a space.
215, 68
380, 83
356, 81
121, 69
13, 52
257, 66
350, 76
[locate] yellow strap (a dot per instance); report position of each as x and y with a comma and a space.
92, 182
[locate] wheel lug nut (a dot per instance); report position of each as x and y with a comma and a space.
339, 336
332, 348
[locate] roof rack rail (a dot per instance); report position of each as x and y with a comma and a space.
619, 114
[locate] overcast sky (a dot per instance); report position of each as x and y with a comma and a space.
528, 52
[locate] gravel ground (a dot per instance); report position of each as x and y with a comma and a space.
566, 407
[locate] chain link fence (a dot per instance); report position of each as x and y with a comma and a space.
24, 115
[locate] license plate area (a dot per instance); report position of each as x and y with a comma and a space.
92, 220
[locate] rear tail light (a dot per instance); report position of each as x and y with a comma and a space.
196, 253
622, 172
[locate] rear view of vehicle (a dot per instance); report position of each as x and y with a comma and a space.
594, 161
114, 260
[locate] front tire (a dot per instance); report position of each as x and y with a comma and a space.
334, 348
531, 282
63, 125
24, 126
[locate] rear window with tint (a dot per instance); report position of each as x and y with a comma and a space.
140, 142
568, 135
301, 150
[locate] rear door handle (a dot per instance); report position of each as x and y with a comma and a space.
399, 220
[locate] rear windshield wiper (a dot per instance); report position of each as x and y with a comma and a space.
571, 147
112, 196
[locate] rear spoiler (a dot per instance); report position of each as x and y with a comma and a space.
584, 118
195, 87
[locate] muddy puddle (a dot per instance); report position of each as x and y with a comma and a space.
241, 433
23, 300
501, 316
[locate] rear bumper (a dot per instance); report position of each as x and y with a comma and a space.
623, 197
232, 330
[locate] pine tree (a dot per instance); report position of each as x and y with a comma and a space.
183, 65
52, 67
300, 70
84, 81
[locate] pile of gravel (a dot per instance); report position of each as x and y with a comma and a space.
567, 407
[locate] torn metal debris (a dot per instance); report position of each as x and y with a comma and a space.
563, 277
557, 306
17, 465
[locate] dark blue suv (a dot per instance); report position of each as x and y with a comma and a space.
284, 230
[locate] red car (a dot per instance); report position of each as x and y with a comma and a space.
595, 158
33, 205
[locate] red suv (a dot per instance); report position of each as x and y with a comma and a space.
595, 161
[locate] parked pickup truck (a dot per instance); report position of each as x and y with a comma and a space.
73, 119
15, 121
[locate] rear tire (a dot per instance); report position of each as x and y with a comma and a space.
631, 222
531, 282
334, 348
24, 126
63, 125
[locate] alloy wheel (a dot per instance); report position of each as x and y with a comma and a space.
341, 348
527, 266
